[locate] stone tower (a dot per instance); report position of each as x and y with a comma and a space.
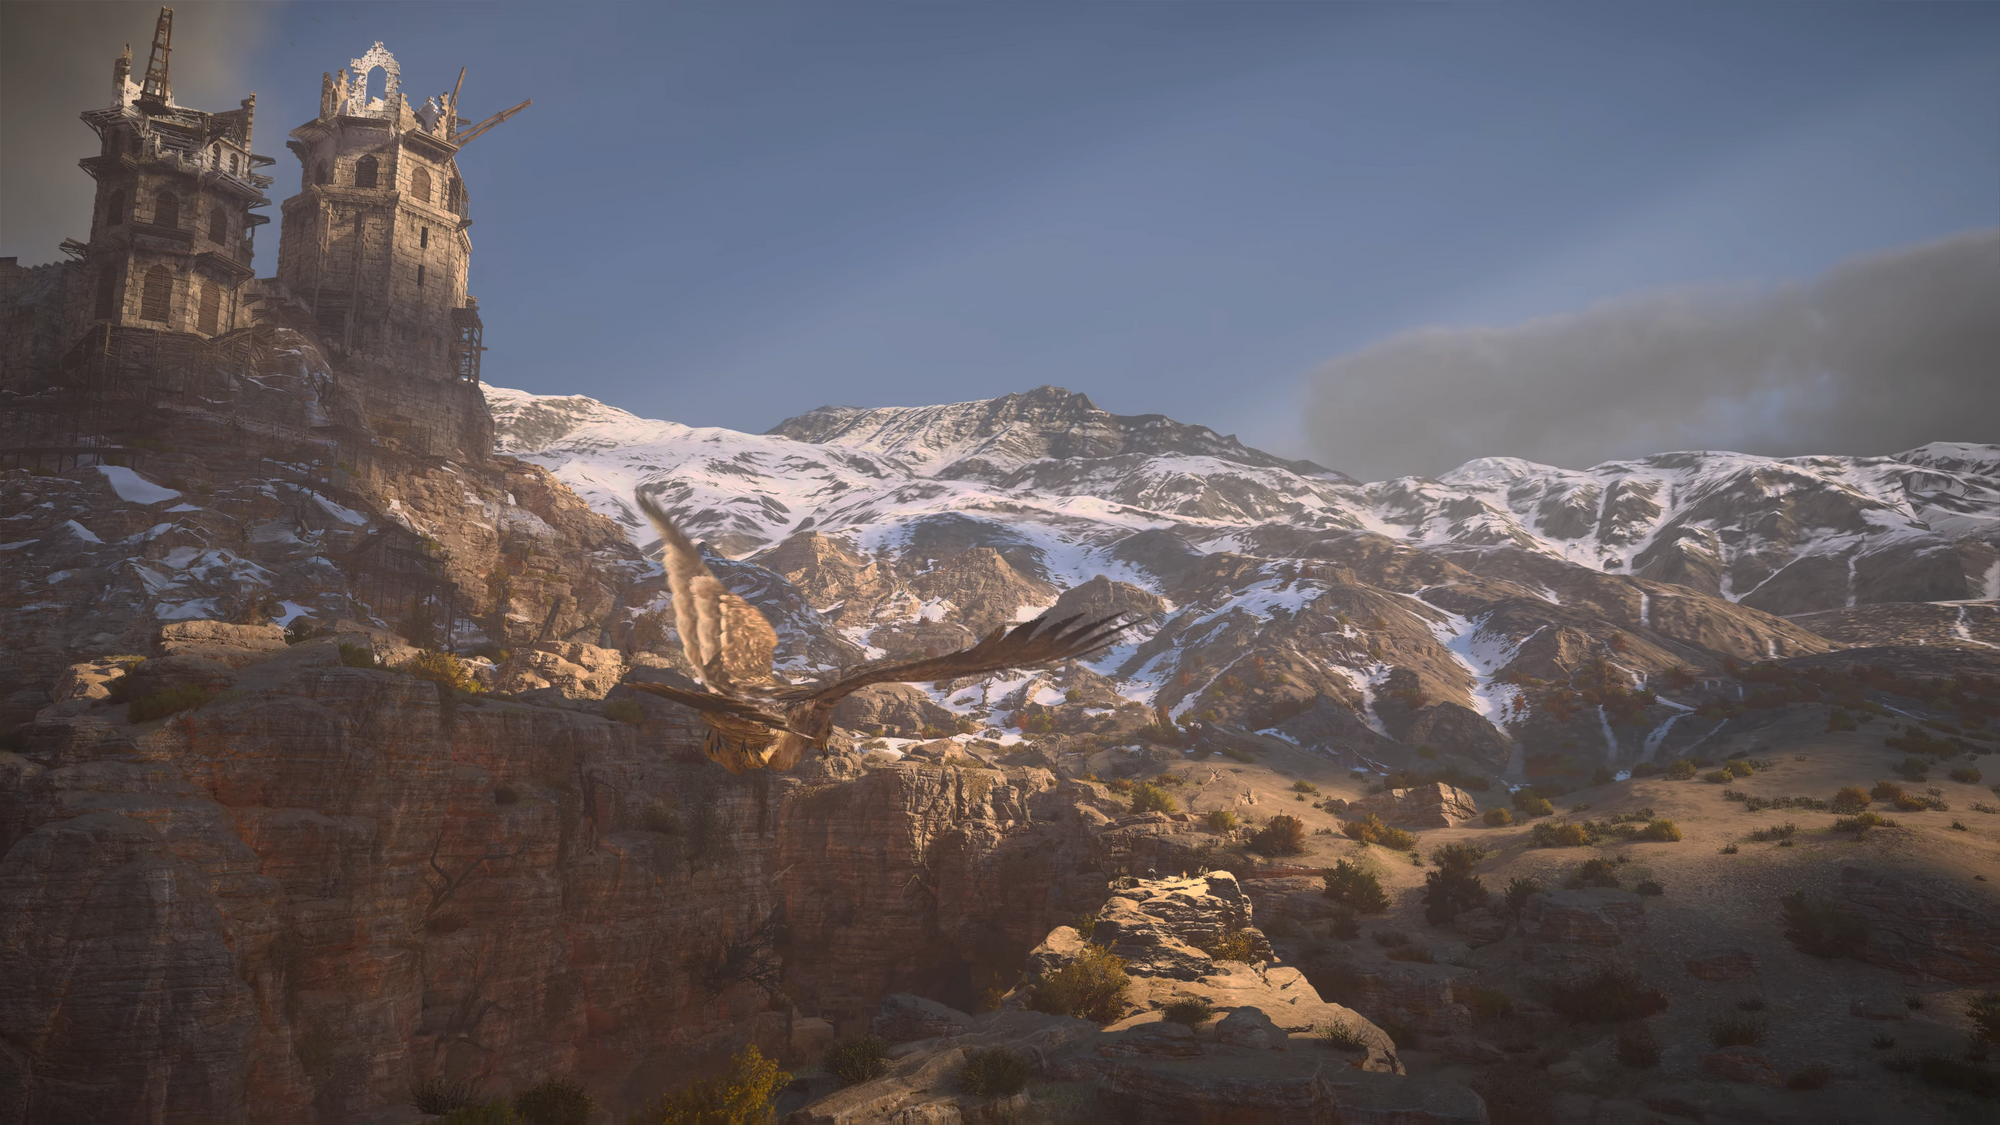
375, 242
170, 230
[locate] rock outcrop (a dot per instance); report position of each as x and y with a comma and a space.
1922, 926
1428, 806
1261, 1056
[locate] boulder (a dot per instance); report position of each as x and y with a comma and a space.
234, 645
902, 1017
1918, 925
1741, 1064
903, 710
89, 680
1249, 1028
1733, 963
1600, 916
1427, 806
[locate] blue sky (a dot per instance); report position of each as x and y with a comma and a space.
730, 213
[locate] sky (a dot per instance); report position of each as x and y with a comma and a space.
1386, 236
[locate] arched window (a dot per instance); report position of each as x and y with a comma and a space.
420, 185
235, 163
166, 210
215, 156
107, 293
218, 225
211, 307
114, 208
364, 172
159, 294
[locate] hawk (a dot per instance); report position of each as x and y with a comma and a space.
756, 722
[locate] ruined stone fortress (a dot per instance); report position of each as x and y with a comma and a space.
161, 300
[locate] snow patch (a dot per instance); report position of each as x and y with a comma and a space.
133, 488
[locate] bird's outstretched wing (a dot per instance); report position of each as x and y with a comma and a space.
1036, 642
725, 638
711, 702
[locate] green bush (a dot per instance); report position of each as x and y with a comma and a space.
168, 701
1519, 890
993, 1073
863, 1058
1309, 787
554, 1101
1915, 769
1453, 889
1498, 818
625, 711
1648, 888
1851, 799
1820, 929
1281, 835
1637, 1048
1838, 719
1737, 1031
1970, 775
1661, 829
1351, 885
1611, 994
440, 668
1236, 946
1683, 769
1532, 804
742, 1096
1190, 1010
1093, 987
1147, 797
1491, 1003
357, 656
1221, 820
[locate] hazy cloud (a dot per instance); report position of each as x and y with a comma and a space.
55, 62
1880, 353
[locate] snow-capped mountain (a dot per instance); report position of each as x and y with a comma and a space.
909, 528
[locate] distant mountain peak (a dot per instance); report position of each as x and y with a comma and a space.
990, 438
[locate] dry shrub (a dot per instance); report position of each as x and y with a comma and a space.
1147, 797
1281, 835
1611, 994
1371, 830
1093, 987
744, 1095
1353, 886
863, 1058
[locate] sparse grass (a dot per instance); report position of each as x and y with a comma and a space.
555, 1101
1861, 822
994, 1073
1342, 1038
440, 1095
1593, 873
1783, 831
1637, 1048
1820, 929
1752, 1004
1812, 1076
1192, 1011
1611, 994
1729, 849
1737, 1031
168, 701
1882, 1042
1371, 830
1564, 835
1236, 946
863, 1058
